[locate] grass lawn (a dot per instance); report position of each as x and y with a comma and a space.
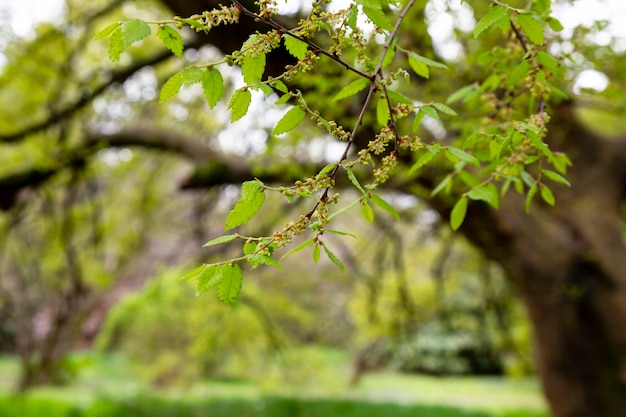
105, 388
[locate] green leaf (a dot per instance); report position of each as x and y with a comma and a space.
195, 24
494, 15
555, 24
555, 177
399, 97
463, 156
297, 248
171, 87
384, 205
417, 121
531, 27
192, 75
289, 121
134, 31
352, 17
326, 170
419, 67
252, 198
340, 233
367, 211
547, 60
391, 52
316, 253
239, 104
219, 240
458, 213
352, 88
295, 47
171, 39
354, 181
208, 278
253, 67
107, 31
529, 198
229, 286
430, 112
462, 93
116, 45
334, 258
192, 274
443, 184
249, 247
519, 72
343, 209
547, 195
427, 61
257, 259
444, 109
423, 160
212, 86
378, 17
382, 111
488, 193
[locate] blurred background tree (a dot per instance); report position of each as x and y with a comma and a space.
101, 188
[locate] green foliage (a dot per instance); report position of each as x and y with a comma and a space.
289, 121
239, 104
171, 39
252, 198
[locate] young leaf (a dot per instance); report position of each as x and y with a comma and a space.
295, 47
219, 240
427, 61
495, 14
430, 112
419, 67
116, 45
289, 121
192, 274
378, 17
444, 109
297, 248
334, 258
354, 181
488, 193
212, 86
443, 184
458, 213
249, 247
547, 195
208, 278
192, 75
367, 211
519, 72
463, 93
529, 198
417, 121
399, 97
239, 104
107, 31
555, 177
252, 198
326, 169
463, 156
382, 111
134, 31
531, 28
229, 286
171, 87
352, 88
316, 253
257, 259
171, 39
253, 67
423, 160
384, 205
343, 209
